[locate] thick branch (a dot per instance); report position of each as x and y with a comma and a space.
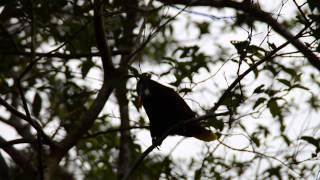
88, 119
260, 15
4, 144
125, 149
102, 43
19, 158
22, 129
32, 121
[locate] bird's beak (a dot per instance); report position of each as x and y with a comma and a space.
139, 102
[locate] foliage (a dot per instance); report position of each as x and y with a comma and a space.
52, 50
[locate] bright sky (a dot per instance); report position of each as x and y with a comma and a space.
190, 147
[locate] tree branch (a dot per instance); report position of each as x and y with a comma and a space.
22, 129
101, 38
4, 144
32, 121
19, 158
210, 114
260, 15
113, 130
107, 87
163, 136
269, 56
62, 55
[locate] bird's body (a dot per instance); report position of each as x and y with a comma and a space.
165, 108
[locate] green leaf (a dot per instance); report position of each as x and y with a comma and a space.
185, 90
258, 102
203, 27
318, 48
311, 140
36, 105
285, 82
255, 50
217, 124
259, 89
86, 66
312, 4
274, 107
286, 139
197, 174
133, 71
241, 47
272, 45
300, 87
255, 140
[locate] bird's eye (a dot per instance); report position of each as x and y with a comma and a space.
146, 92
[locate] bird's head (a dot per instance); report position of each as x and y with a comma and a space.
143, 88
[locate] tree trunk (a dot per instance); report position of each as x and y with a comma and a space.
125, 137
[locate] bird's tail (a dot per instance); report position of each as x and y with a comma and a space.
206, 135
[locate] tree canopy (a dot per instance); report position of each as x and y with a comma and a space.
248, 68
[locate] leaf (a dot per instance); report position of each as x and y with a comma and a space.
185, 90
274, 107
134, 71
197, 174
314, 142
318, 48
311, 140
256, 50
36, 105
255, 140
300, 87
286, 139
86, 66
285, 82
258, 102
241, 47
272, 45
203, 27
217, 124
259, 89
312, 4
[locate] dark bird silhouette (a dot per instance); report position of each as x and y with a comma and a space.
165, 108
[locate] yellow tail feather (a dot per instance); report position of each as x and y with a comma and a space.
206, 136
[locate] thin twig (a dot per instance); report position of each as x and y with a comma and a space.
152, 35
211, 114
39, 133
259, 15
158, 141
259, 154
269, 56
34, 61
62, 55
113, 130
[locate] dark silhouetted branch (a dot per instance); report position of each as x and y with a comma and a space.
31, 121
4, 144
211, 114
61, 55
91, 115
259, 15
19, 158
114, 130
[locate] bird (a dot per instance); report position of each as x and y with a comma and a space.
165, 108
